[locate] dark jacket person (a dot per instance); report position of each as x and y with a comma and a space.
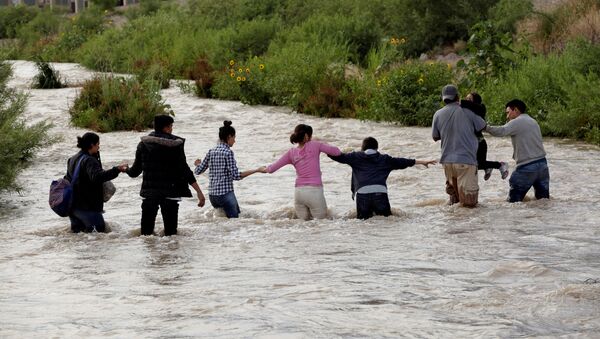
88, 203
370, 170
161, 157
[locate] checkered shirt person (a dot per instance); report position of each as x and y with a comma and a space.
222, 167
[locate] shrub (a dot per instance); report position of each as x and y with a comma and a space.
19, 140
112, 103
202, 74
409, 94
156, 70
47, 76
12, 18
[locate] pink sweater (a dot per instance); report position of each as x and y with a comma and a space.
306, 161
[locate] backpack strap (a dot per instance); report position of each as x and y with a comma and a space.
77, 167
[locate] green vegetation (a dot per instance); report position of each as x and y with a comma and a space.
114, 103
19, 141
47, 76
338, 58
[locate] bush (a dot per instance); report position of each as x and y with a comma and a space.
19, 141
112, 103
408, 95
12, 18
559, 90
47, 77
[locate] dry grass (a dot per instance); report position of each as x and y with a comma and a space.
558, 22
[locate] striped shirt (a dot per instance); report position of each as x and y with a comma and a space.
222, 167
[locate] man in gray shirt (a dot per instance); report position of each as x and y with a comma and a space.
528, 152
455, 127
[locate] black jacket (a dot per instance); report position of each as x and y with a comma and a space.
478, 109
166, 173
87, 189
371, 169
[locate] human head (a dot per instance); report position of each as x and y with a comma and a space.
89, 142
227, 133
514, 108
450, 94
369, 143
162, 122
300, 132
474, 97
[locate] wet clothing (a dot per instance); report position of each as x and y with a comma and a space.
166, 176
228, 202
306, 161
529, 153
456, 128
370, 170
88, 203
222, 168
309, 200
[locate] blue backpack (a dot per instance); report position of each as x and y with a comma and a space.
61, 193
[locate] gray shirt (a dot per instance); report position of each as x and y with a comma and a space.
455, 127
526, 138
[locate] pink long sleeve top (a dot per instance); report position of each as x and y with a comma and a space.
306, 161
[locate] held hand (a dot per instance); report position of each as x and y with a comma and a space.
426, 163
201, 199
123, 167
262, 169
197, 162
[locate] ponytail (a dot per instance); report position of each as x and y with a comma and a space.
300, 132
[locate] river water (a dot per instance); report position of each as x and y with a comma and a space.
431, 270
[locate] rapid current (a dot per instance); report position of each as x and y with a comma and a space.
430, 270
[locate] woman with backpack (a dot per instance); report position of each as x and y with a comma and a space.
88, 195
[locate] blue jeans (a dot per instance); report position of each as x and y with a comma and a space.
227, 202
534, 174
370, 204
86, 221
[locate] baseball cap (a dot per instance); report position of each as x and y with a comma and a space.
449, 92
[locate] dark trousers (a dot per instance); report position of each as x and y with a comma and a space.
86, 221
482, 162
169, 210
371, 204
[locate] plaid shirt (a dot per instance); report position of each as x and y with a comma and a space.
223, 169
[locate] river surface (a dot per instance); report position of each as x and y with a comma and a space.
431, 270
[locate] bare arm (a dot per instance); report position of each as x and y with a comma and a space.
201, 199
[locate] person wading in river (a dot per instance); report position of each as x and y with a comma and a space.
528, 152
161, 157
455, 127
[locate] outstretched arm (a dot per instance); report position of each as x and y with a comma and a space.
284, 160
426, 163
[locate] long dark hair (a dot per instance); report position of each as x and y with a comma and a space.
299, 132
226, 130
86, 141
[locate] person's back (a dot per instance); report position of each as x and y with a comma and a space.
307, 163
456, 129
160, 156
165, 171
370, 170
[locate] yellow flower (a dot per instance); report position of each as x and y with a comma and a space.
261, 66
449, 66
232, 74
247, 70
231, 62
378, 83
239, 78
243, 78
402, 41
240, 70
420, 81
